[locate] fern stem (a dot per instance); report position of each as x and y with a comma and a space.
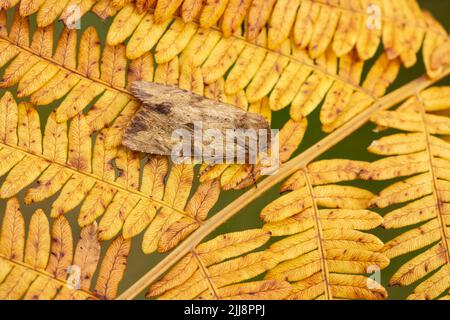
205, 272
46, 275
319, 237
68, 69
285, 171
98, 180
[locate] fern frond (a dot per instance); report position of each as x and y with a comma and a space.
113, 180
104, 181
420, 158
314, 25
47, 77
287, 75
231, 65
45, 267
236, 176
209, 272
302, 85
325, 255
289, 168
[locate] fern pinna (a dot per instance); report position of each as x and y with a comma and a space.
419, 200
45, 266
326, 254
109, 187
315, 25
208, 272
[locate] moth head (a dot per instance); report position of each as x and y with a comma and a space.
142, 90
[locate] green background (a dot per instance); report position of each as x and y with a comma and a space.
354, 147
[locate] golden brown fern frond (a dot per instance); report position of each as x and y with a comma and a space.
249, 73
47, 77
105, 181
209, 272
235, 176
314, 25
419, 200
274, 82
325, 255
46, 267
90, 74
353, 221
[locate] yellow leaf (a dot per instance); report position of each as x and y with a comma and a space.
204, 198
190, 9
141, 69
65, 53
35, 78
348, 28
112, 268
73, 192
38, 241
212, 11
258, 15
8, 119
123, 25
17, 180
281, 21
419, 266
199, 47
168, 73
12, 238
139, 219
234, 15
80, 96
176, 232
80, 145
50, 11
165, 9
145, 37
221, 59
115, 215
174, 40
258, 290
89, 54
113, 66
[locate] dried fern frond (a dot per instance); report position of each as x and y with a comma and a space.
46, 78
284, 172
45, 266
81, 78
203, 61
209, 272
105, 181
228, 66
325, 255
235, 176
314, 25
421, 158
48, 11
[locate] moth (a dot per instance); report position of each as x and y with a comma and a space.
169, 114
